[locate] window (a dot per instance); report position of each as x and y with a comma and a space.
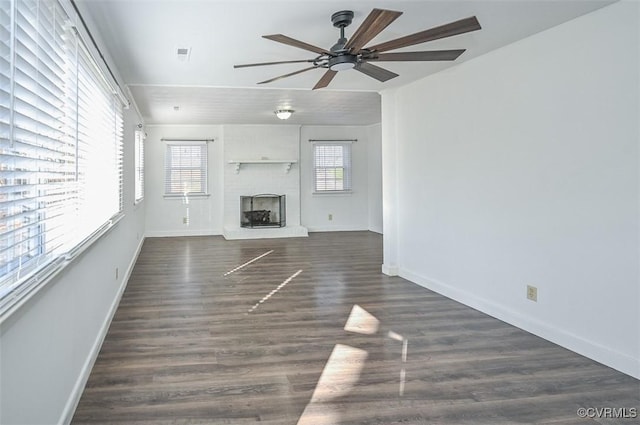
60, 146
139, 165
185, 168
332, 167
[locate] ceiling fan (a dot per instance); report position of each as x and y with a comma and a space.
352, 54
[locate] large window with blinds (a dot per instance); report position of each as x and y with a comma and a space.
332, 167
185, 167
60, 146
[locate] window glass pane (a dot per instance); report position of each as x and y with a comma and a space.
37, 156
99, 149
60, 143
186, 168
139, 165
332, 163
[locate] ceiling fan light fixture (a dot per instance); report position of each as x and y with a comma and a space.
342, 62
284, 114
356, 53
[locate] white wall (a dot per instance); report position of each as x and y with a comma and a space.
164, 216
521, 167
349, 211
360, 210
374, 177
48, 346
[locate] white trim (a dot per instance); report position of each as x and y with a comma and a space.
178, 233
338, 228
78, 388
333, 192
605, 355
389, 270
333, 141
189, 196
183, 141
44, 276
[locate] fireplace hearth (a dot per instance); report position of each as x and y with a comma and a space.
263, 210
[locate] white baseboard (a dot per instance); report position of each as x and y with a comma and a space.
185, 232
390, 270
614, 359
336, 229
78, 388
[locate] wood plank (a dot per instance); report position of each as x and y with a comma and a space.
183, 349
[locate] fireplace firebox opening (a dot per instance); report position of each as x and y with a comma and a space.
263, 210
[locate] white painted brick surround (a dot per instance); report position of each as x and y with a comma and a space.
258, 143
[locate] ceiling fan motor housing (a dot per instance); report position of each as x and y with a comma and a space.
342, 19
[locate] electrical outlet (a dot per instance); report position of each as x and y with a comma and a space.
330, 217
117, 272
532, 293
185, 220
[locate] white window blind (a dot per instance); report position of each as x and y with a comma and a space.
99, 145
185, 168
332, 167
60, 145
139, 165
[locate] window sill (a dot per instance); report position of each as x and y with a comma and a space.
189, 196
36, 279
333, 192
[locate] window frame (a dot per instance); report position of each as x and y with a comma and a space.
57, 137
138, 165
347, 168
169, 168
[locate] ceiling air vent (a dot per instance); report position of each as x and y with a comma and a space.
183, 53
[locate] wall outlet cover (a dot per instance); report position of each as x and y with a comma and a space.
532, 293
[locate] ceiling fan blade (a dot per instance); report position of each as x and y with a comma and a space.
287, 75
377, 20
296, 43
432, 55
246, 65
447, 30
325, 80
376, 72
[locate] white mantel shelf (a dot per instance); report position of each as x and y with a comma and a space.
286, 162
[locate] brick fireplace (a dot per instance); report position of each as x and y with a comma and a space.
261, 160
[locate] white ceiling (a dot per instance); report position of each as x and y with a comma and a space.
142, 37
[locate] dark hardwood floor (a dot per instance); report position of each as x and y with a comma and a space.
312, 333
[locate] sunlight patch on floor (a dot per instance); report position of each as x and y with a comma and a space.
272, 293
247, 263
361, 321
342, 371
339, 376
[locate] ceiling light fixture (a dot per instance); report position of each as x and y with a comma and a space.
342, 62
284, 114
